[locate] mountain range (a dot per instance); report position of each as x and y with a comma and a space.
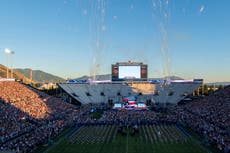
40, 76
108, 77
218, 83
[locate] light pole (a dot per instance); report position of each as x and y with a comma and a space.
8, 52
12, 63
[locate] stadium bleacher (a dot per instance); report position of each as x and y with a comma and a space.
169, 93
210, 117
29, 117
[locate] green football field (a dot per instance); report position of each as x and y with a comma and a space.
149, 139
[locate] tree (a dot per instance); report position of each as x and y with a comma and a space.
211, 89
221, 86
205, 89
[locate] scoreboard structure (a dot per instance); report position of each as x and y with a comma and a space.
126, 71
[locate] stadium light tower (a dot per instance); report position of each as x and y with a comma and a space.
12, 63
9, 52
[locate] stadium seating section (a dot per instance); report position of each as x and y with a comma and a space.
29, 118
87, 93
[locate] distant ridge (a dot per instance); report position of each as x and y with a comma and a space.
40, 76
97, 77
170, 77
108, 77
218, 83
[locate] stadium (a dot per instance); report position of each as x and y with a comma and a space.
129, 79
166, 88
113, 116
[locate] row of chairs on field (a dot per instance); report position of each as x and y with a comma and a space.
94, 134
147, 133
161, 133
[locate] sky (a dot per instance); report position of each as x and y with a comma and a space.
72, 38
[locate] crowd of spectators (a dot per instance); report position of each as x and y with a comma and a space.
136, 117
210, 117
29, 118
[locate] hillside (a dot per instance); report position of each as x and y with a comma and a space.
40, 76
16, 74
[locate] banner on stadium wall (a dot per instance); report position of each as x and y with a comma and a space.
5, 79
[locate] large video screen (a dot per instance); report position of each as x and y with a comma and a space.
129, 72
144, 71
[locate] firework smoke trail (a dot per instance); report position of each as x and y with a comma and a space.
161, 14
201, 8
97, 28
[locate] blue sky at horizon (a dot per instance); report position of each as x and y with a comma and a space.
62, 36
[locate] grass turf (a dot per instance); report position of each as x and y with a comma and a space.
140, 143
